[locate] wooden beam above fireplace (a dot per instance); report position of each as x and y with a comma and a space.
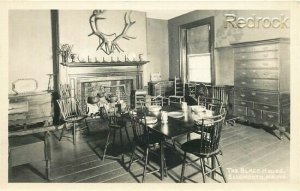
104, 64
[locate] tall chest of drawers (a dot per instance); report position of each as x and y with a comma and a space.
262, 82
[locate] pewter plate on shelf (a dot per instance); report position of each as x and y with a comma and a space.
25, 85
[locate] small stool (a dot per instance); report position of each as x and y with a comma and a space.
231, 119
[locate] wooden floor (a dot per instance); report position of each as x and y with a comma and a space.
249, 155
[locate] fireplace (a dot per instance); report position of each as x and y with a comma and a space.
88, 79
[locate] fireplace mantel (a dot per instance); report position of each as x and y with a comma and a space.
104, 64
105, 69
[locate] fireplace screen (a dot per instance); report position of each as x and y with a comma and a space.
107, 93
118, 91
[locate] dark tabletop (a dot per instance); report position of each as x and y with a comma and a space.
175, 126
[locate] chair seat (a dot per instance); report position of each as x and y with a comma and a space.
119, 126
194, 147
75, 118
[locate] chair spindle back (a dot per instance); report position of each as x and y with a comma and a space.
210, 133
139, 127
69, 107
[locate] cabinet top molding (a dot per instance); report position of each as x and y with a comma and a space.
104, 64
266, 41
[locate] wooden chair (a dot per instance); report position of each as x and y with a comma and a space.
201, 90
195, 90
71, 113
162, 90
215, 105
178, 96
116, 122
205, 147
145, 140
152, 101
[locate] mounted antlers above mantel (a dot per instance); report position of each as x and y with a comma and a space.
109, 42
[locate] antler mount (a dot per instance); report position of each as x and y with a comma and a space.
109, 42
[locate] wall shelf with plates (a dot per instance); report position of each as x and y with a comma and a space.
104, 64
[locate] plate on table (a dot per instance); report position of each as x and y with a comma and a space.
198, 108
151, 119
175, 114
154, 108
204, 122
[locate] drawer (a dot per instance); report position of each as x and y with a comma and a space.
266, 84
255, 113
256, 55
253, 73
256, 48
42, 97
239, 110
14, 117
243, 103
266, 107
257, 96
270, 117
273, 63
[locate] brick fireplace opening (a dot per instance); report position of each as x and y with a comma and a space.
92, 86
89, 79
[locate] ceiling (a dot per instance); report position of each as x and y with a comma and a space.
165, 14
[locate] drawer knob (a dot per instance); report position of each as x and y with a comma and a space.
266, 107
243, 103
253, 93
243, 83
244, 73
243, 95
266, 98
270, 116
253, 80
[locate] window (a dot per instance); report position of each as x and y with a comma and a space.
199, 68
196, 51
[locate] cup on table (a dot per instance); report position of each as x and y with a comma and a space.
164, 117
184, 106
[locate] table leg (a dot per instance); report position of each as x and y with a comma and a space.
213, 165
9, 165
162, 156
47, 151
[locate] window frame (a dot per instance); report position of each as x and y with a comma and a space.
183, 47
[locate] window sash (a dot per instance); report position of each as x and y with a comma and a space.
199, 67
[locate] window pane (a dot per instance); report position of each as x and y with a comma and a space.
199, 67
198, 40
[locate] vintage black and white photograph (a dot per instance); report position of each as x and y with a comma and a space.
149, 95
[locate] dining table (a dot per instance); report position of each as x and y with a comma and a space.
180, 122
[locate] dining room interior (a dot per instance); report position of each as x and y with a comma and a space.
148, 96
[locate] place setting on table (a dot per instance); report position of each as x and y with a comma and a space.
176, 120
